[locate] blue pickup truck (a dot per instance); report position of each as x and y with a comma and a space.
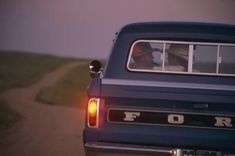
168, 89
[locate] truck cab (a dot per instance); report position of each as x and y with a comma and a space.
168, 89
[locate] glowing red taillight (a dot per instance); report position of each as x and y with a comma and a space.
92, 112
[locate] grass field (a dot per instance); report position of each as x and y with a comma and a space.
18, 69
21, 69
7, 116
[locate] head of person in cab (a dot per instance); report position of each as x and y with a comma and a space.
177, 55
142, 55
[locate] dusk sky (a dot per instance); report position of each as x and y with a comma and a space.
86, 28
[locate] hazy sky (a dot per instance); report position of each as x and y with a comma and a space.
85, 28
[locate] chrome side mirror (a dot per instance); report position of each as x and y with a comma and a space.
95, 68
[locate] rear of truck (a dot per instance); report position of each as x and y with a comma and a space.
163, 110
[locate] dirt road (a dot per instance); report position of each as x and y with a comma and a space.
44, 130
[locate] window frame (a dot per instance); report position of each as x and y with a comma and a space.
190, 58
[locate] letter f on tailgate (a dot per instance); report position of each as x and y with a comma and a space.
131, 116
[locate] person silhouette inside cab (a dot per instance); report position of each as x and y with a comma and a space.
142, 57
177, 56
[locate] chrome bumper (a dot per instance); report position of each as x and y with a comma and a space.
107, 149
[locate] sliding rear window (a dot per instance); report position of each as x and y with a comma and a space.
182, 57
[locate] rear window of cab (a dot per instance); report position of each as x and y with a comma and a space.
182, 57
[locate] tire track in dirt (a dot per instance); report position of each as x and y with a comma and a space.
44, 130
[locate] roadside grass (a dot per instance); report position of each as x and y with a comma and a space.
19, 69
70, 90
7, 116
